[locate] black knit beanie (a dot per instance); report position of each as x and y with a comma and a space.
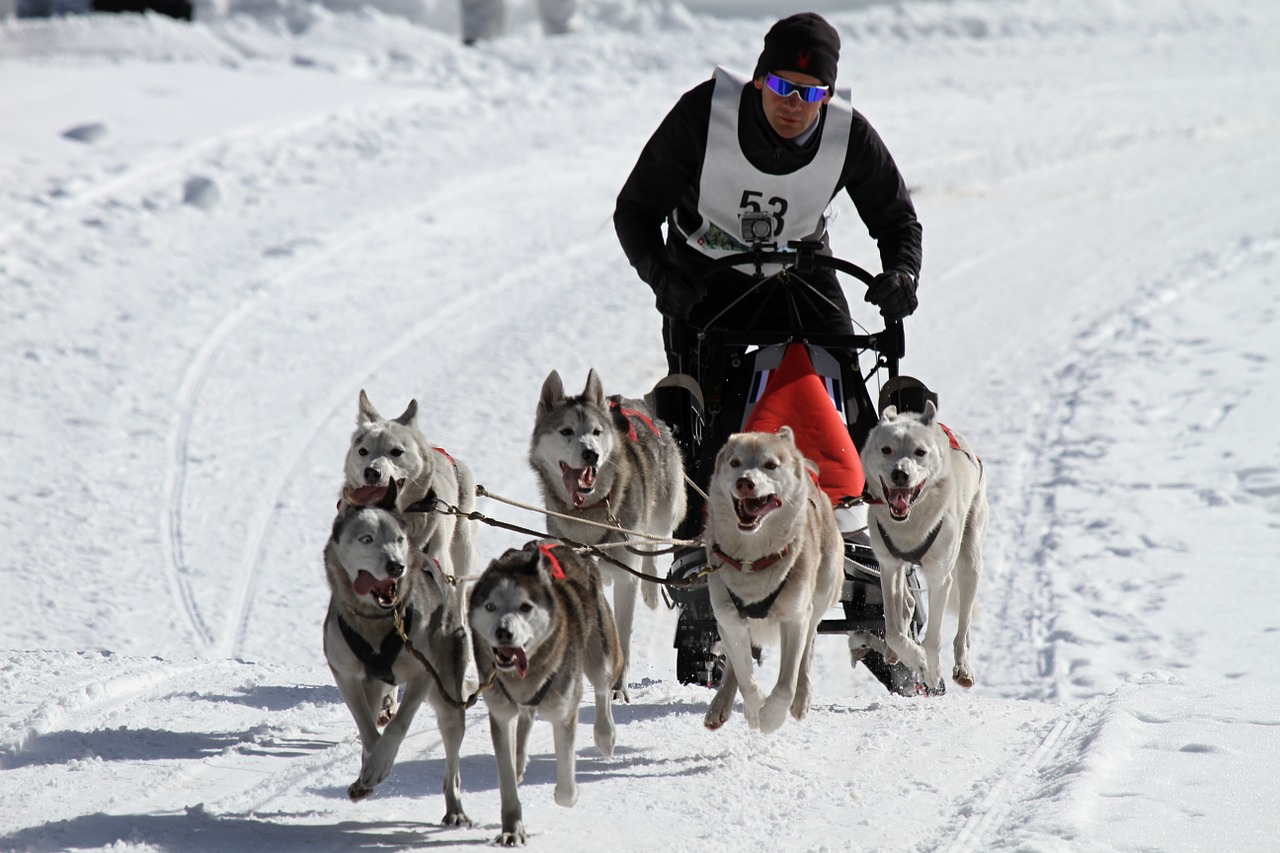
805, 43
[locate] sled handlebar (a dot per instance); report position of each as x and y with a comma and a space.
803, 256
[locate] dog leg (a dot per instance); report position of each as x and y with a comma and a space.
597, 668
566, 759
804, 677
503, 732
523, 726
897, 616
939, 592
721, 707
648, 589
736, 640
378, 762
967, 573
624, 611
451, 719
774, 711
353, 691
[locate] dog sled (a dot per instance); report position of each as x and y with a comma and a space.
733, 382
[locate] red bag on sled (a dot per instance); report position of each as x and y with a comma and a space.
795, 395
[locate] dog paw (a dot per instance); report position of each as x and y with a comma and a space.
567, 795
621, 695
963, 676
774, 713
357, 792
513, 837
456, 819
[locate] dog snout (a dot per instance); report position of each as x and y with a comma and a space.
745, 486
395, 569
372, 476
899, 478
590, 457
503, 635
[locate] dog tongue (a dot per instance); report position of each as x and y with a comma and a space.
366, 583
366, 495
899, 500
576, 481
516, 653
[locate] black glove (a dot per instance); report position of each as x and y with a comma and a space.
677, 293
894, 292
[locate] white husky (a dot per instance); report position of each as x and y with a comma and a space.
385, 451
929, 507
778, 556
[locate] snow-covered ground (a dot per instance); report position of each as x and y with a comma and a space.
259, 214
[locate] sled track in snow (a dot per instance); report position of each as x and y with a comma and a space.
985, 815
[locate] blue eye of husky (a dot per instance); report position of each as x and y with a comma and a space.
366, 539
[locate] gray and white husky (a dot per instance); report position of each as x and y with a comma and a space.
539, 622
928, 507
394, 451
778, 554
375, 573
608, 460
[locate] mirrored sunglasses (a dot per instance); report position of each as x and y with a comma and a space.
784, 88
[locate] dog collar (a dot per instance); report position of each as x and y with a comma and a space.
749, 566
535, 700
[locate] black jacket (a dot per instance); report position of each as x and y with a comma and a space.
664, 183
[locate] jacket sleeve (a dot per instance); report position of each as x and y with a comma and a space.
668, 170
881, 197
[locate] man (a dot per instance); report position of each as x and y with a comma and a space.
777, 144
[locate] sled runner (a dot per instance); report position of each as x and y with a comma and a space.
758, 381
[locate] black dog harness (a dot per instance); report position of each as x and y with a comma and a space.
917, 553
377, 665
536, 698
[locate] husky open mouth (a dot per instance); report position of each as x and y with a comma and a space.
900, 500
751, 511
578, 482
369, 495
507, 658
383, 591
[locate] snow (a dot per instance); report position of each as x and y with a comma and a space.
213, 235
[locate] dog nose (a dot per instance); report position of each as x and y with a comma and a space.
503, 636
899, 477
590, 457
395, 569
745, 486
371, 476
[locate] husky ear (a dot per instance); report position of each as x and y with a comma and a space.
930, 413
889, 415
594, 392
367, 414
552, 393
409, 415
786, 434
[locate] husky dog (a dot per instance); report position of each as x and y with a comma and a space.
539, 621
608, 461
929, 507
778, 555
384, 452
375, 577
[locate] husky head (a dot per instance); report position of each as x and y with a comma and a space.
371, 546
903, 457
573, 440
760, 483
385, 452
513, 608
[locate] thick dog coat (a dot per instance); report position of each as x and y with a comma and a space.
778, 556
374, 572
385, 451
929, 507
539, 622
608, 460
